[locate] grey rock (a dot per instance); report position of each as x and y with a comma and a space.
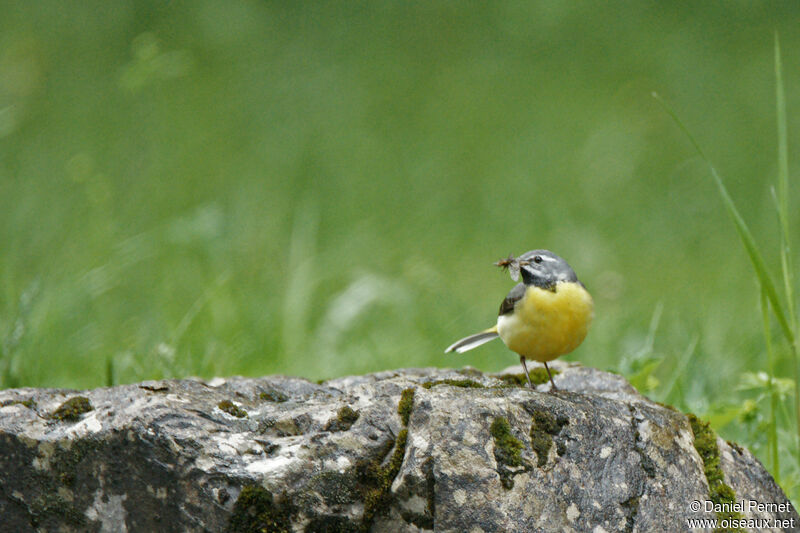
284, 454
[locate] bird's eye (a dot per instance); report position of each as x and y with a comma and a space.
537, 258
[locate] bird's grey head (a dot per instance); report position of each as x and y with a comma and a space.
544, 269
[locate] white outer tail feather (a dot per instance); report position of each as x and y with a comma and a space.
473, 341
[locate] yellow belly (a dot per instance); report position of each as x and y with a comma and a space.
547, 324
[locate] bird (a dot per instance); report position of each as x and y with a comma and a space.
543, 317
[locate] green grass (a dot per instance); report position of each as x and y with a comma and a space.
783, 309
321, 190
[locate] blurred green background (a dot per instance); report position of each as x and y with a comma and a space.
216, 188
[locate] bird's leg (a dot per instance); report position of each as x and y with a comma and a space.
553, 383
525, 368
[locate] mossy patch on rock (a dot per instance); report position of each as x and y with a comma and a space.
30, 403
286, 427
631, 508
507, 446
705, 442
464, 383
332, 524
72, 409
232, 409
735, 446
406, 405
376, 481
668, 406
507, 450
393, 468
345, 417
272, 395
257, 511
538, 377
544, 426
469, 371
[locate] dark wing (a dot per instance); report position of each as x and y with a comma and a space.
512, 298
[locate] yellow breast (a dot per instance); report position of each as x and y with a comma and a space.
547, 324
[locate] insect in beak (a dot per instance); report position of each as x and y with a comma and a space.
512, 265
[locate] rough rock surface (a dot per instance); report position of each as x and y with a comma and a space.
382, 452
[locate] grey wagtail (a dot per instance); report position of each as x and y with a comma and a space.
544, 317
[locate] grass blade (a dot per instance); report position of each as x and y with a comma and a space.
783, 188
772, 429
683, 362
757, 260
783, 219
743, 230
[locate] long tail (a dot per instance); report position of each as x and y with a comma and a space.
473, 341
